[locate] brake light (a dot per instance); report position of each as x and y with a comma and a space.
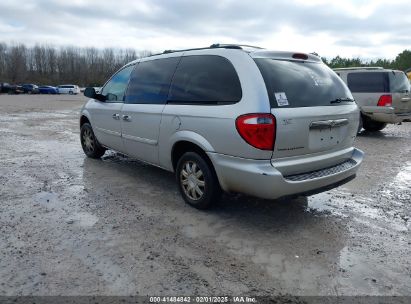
258, 130
300, 56
385, 101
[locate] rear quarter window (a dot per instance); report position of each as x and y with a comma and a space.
205, 79
399, 82
368, 82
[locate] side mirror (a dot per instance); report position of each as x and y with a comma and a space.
91, 93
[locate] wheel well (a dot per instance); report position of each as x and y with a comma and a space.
83, 120
182, 147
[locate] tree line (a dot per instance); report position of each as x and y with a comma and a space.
44, 64
401, 62
48, 65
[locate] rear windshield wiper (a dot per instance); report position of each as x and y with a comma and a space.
338, 100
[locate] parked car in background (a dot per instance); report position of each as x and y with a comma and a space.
15, 89
68, 89
47, 90
383, 95
4, 87
30, 88
269, 124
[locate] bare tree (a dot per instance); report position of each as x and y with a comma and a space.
45, 64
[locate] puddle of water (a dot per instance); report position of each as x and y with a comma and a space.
358, 208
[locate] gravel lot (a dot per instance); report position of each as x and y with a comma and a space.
75, 226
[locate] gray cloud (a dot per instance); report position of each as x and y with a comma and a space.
149, 23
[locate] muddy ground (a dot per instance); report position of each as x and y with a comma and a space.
76, 226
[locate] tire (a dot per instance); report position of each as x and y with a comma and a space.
360, 126
372, 125
197, 181
89, 143
71, 92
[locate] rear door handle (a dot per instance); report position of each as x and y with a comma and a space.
126, 118
116, 116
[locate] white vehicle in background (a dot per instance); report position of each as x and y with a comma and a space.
68, 89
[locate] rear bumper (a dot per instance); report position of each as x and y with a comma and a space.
385, 114
261, 179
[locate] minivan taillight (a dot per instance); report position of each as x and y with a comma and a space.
385, 101
258, 130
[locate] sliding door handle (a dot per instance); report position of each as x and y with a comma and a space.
126, 118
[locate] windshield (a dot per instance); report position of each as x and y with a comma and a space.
292, 84
399, 82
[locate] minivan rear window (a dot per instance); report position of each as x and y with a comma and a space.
368, 82
205, 79
292, 84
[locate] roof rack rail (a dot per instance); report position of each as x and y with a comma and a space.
215, 46
183, 50
359, 68
233, 46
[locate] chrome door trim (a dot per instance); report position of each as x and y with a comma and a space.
140, 139
108, 131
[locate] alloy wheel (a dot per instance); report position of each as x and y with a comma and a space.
88, 140
192, 180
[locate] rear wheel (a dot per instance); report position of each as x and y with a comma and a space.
91, 146
372, 125
197, 181
360, 125
71, 92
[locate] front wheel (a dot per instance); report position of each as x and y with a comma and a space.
89, 143
197, 181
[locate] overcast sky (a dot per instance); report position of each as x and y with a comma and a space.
369, 29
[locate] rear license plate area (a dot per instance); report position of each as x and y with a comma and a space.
325, 138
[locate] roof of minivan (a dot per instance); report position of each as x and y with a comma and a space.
253, 51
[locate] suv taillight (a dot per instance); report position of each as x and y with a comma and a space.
385, 101
258, 130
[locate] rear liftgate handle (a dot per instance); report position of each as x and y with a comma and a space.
326, 124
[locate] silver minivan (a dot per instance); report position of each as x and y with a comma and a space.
383, 95
268, 124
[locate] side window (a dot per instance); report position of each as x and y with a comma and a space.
150, 81
368, 82
205, 79
115, 88
399, 82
